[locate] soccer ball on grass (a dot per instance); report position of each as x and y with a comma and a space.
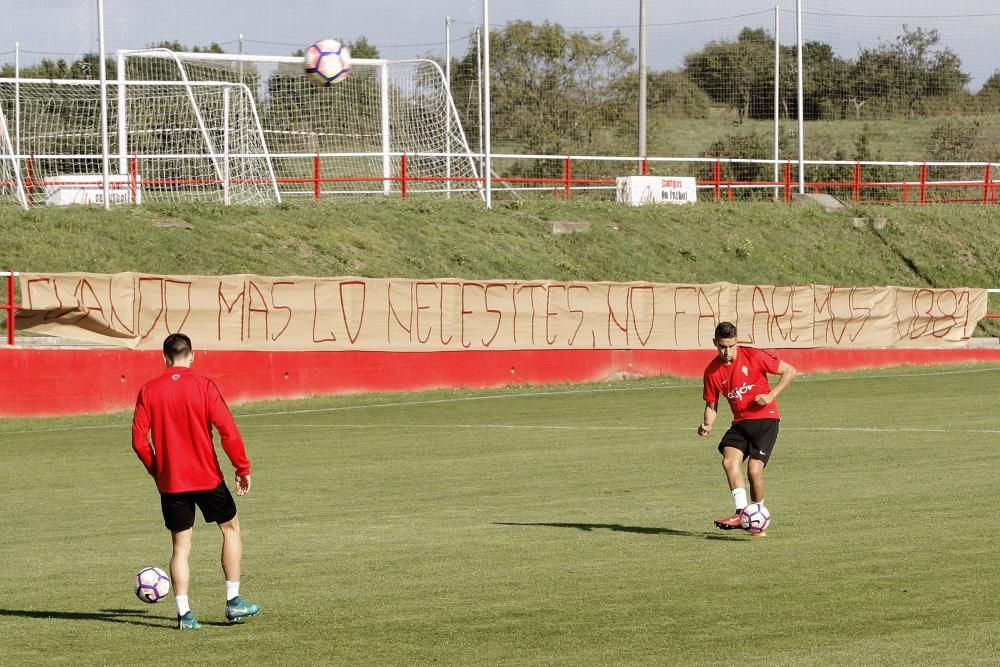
327, 62
151, 584
755, 517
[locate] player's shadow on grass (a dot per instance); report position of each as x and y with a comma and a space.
620, 528
126, 616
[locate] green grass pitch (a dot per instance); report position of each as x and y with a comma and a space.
530, 526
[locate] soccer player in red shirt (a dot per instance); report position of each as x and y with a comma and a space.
740, 373
180, 408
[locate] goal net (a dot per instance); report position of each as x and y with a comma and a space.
11, 186
180, 141
391, 126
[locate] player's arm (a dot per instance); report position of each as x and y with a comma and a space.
229, 434
786, 373
140, 434
711, 412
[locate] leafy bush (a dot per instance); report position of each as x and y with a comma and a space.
748, 146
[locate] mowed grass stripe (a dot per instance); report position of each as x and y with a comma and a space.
421, 532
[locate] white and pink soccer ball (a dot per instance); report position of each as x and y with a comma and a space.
151, 584
755, 517
327, 61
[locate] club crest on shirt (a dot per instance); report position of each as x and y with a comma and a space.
745, 371
175, 377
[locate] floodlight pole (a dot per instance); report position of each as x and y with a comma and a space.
642, 79
801, 133
479, 92
488, 162
102, 68
447, 88
17, 100
122, 116
777, 93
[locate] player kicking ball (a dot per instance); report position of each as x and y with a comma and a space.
740, 373
178, 410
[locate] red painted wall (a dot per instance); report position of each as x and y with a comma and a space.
45, 382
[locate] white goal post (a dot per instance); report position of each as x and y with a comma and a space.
10, 173
390, 126
188, 141
235, 130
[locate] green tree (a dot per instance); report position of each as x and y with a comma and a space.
671, 94
826, 81
177, 46
86, 67
361, 48
553, 91
738, 74
988, 97
902, 77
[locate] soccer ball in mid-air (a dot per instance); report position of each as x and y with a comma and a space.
327, 62
755, 517
151, 584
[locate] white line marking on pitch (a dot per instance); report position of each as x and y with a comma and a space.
562, 392
458, 399
529, 394
540, 427
692, 429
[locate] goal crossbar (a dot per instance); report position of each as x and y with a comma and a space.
390, 108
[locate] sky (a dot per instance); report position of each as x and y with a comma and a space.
68, 28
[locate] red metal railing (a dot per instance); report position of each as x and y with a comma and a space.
919, 190
403, 176
567, 179
992, 316
10, 305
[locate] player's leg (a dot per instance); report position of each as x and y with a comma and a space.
180, 568
732, 464
237, 608
232, 548
734, 447
755, 473
180, 574
178, 516
764, 434
219, 506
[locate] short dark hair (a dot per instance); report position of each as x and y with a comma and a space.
176, 346
725, 330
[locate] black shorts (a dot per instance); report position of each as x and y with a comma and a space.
754, 437
216, 505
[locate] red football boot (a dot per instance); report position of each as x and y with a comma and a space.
729, 523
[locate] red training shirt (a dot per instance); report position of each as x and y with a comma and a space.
180, 407
742, 381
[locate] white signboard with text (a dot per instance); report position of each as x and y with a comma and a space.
67, 189
638, 190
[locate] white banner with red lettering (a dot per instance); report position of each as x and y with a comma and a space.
249, 312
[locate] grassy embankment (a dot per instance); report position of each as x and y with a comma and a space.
762, 243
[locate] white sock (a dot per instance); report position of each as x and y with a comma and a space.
182, 604
232, 590
740, 498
